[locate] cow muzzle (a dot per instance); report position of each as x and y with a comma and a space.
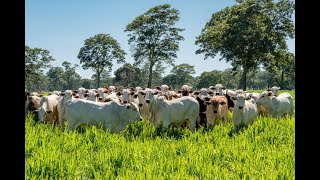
240, 107
215, 111
148, 101
140, 105
140, 118
125, 102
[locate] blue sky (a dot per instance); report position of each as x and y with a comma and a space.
61, 26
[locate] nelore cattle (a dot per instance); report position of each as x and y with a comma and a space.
175, 112
276, 106
48, 112
110, 115
217, 110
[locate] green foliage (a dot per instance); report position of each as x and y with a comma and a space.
98, 53
71, 77
128, 76
36, 60
105, 79
180, 75
154, 38
264, 149
249, 34
211, 78
57, 81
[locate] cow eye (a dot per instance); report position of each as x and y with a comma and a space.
262, 96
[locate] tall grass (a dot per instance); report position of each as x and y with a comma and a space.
263, 150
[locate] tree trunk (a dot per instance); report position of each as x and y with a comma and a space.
98, 79
243, 80
150, 75
282, 80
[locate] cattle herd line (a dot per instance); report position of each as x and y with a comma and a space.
114, 109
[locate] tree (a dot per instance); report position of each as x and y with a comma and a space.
211, 78
157, 78
98, 53
249, 34
285, 72
56, 79
128, 76
180, 75
70, 74
87, 83
36, 60
105, 78
154, 38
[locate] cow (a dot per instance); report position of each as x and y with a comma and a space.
140, 99
48, 112
174, 112
61, 107
127, 96
111, 115
102, 93
255, 96
185, 90
245, 110
81, 92
112, 89
32, 104
276, 106
274, 90
202, 96
217, 109
92, 95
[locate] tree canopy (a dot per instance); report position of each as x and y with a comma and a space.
153, 37
249, 34
98, 53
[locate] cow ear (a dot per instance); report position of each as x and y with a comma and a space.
40, 95
190, 91
106, 91
106, 87
158, 88
196, 93
86, 91
210, 93
28, 93
224, 88
179, 91
132, 89
107, 100
170, 88
76, 96
97, 95
85, 95
62, 94
143, 93
135, 96
269, 93
143, 88
96, 91
233, 98
75, 91
118, 93
49, 94
132, 93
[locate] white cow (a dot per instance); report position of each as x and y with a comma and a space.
140, 99
81, 92
245, 110
274, 90
48, 112
61, 107
127, 96
91, 95
102, 94
175, 112
276, 106
110, 115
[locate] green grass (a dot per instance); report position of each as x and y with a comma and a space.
263, 150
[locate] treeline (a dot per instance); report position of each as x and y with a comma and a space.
250, 35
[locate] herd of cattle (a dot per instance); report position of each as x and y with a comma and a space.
114, 109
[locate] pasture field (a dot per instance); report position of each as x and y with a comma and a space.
263, 150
